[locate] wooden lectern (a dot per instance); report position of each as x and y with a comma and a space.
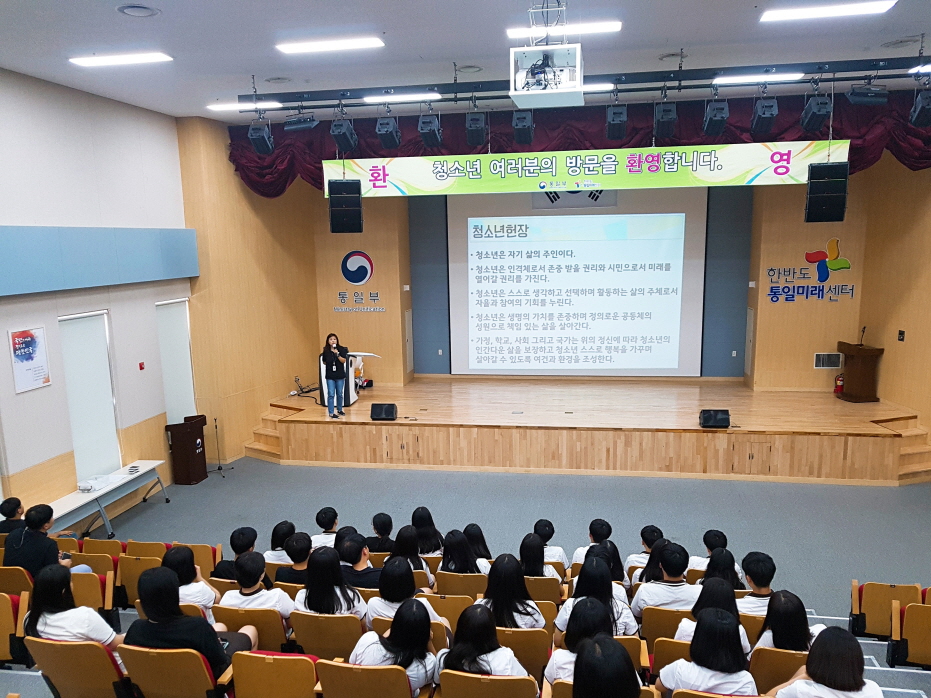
859, 372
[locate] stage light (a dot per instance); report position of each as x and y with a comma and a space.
243, 106
430, 131
870, 95
765, 112
616, 122
757, 78
260, 135
920, 116
716, 114
344, 135
664, 119
821, 11
522, 122
817, 111
386, 128
330, 45
417, 97
120, 59
475, 129
560, 29
300, 123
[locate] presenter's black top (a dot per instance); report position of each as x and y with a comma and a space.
31, 550
335, 369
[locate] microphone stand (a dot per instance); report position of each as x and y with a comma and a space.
219, 468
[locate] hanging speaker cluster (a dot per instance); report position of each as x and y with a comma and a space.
827, 192
345, 205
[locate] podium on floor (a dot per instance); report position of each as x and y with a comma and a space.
860, 367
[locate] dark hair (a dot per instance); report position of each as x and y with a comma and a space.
650, 534
428, 538
531, 556
243, 539
326, 518
716, 644
475, 635
250, 569
410, 634
51, 593
406, 546
674, 559
721, 565
396, 582
457, 554
714, 539
473, 533
342, 534
326, 347
382, 524
760, 568
835, 660
787, 618
9, 507
588, 618
181, 560
350, 550
325, 584
298, 547
158, 594
280, 533
544, 529
37, 516
595, 581
608, 552
716, 593
652, 571
599, 530
507, 593
603, 669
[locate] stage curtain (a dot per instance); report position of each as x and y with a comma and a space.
870, 129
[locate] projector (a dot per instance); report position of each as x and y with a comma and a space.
546, 76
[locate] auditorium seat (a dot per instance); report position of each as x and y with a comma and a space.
544, 589
92, 591
637, 649
135, 548
3, 539
67, 544
771, 667
457, 684
98, 562
421, 580
660, 622
187, 609
223, 585
448, 606
692, 576
378, 559
271, 568
14, 580
631, 570
127, 575
326, 636
171, 673
752, 625
910, 641
740, 593
267, 621
531, 647
79, 669
683, 693
433, 562
563, 689
205, 556
10, 621
473, 585
871, 606
666, 651
95, 546
437, 631
367, 594
263, 675
558, 566
575, 569
549, 611
289, 589
342, 680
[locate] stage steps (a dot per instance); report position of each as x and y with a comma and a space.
266, 441
914, 452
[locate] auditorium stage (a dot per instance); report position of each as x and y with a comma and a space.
605, 426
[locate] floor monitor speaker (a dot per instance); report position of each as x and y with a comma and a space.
384, 411
714, 419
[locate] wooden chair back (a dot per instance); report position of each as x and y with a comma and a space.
289, 589
3, 539
340, 680
448, 607
530, 646
771, 667
271, 568
14, 581
633, 590
367, 594
457, 684
167, 673
450, 583
561, 689
876, 604
88, 591
203, 556
544, 589
325, 636
558, 566
549, 611
631, 570
666, 651
437, 631
223, 585
660, 622
740, 593
130, 569
67, 545
259, 676
684, 693
421, 580
575, 569
915, 627
187, 609
98, 562
753, 625
138, 548
96, 546
637, 649
378, 559
76, 669
692, 576
8, 624
433, 562
266, 620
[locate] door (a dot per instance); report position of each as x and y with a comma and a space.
174, 344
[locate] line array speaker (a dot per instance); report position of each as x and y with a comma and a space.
345, 205
827, 192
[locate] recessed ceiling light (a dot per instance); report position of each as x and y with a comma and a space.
120, 59
756, 79
921, 69
820, 11
559, 29
277, 81
598, 87
470, 69
412, 97
134, 10
243, 106
331, 45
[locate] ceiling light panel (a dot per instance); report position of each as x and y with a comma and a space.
243, 106
560, 29
120, 59
419, 97
756, 79
921, 69
598, 87
331, 45
822, 11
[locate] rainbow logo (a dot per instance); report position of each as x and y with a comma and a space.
357, 268
828, 260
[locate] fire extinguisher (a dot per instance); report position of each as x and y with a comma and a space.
839, 383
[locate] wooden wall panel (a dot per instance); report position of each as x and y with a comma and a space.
44, 482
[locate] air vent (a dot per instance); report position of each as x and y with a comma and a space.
827, 360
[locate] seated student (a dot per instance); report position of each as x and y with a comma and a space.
381, 542
651, 572
608, 552
250, 568
298, 549
357, 571
715, 593
834, 669
672, 591
166, 628
193, 587
719, 664
11, 509
603, 669
280, 533
31, 547
429, 539
551, 553
407, 546
325, 590
721, 565
242, 540
458, 556
594, 581
395, 586
713, 539
475, 536
532, 556
588, 618
507, 596
786, 624
648, 537
341, 535
328, 520
406, 645
599, 531
475, 648
759, 570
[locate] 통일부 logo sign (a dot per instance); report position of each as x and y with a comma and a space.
357, 268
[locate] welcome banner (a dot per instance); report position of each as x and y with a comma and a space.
635, 168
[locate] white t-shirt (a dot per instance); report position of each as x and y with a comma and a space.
322, 540
550, 571
532, 621
691, 677
81, 624
483, 565
753, 605
636, 576
431, 580
636, 559
561, 666
379, 608
624, 624
766, 639
678, 595
199, 594
358, 609
369, 652
277, 556
263, 598
697, 562
810, 689
686, 631
501, 662
553, 553
579, 554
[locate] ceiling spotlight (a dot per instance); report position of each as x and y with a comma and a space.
260, 135
920, 116
120, 59
664, 119
300, 123
765, 111
430, 131
243, 106
344, 135
475, 129
816, 112
411, 97
868, 95
616, 122
716, 114
386, 128
757, 78
330, 45
522, 122
821, 11
560, 29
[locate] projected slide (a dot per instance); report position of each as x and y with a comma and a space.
575, 292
